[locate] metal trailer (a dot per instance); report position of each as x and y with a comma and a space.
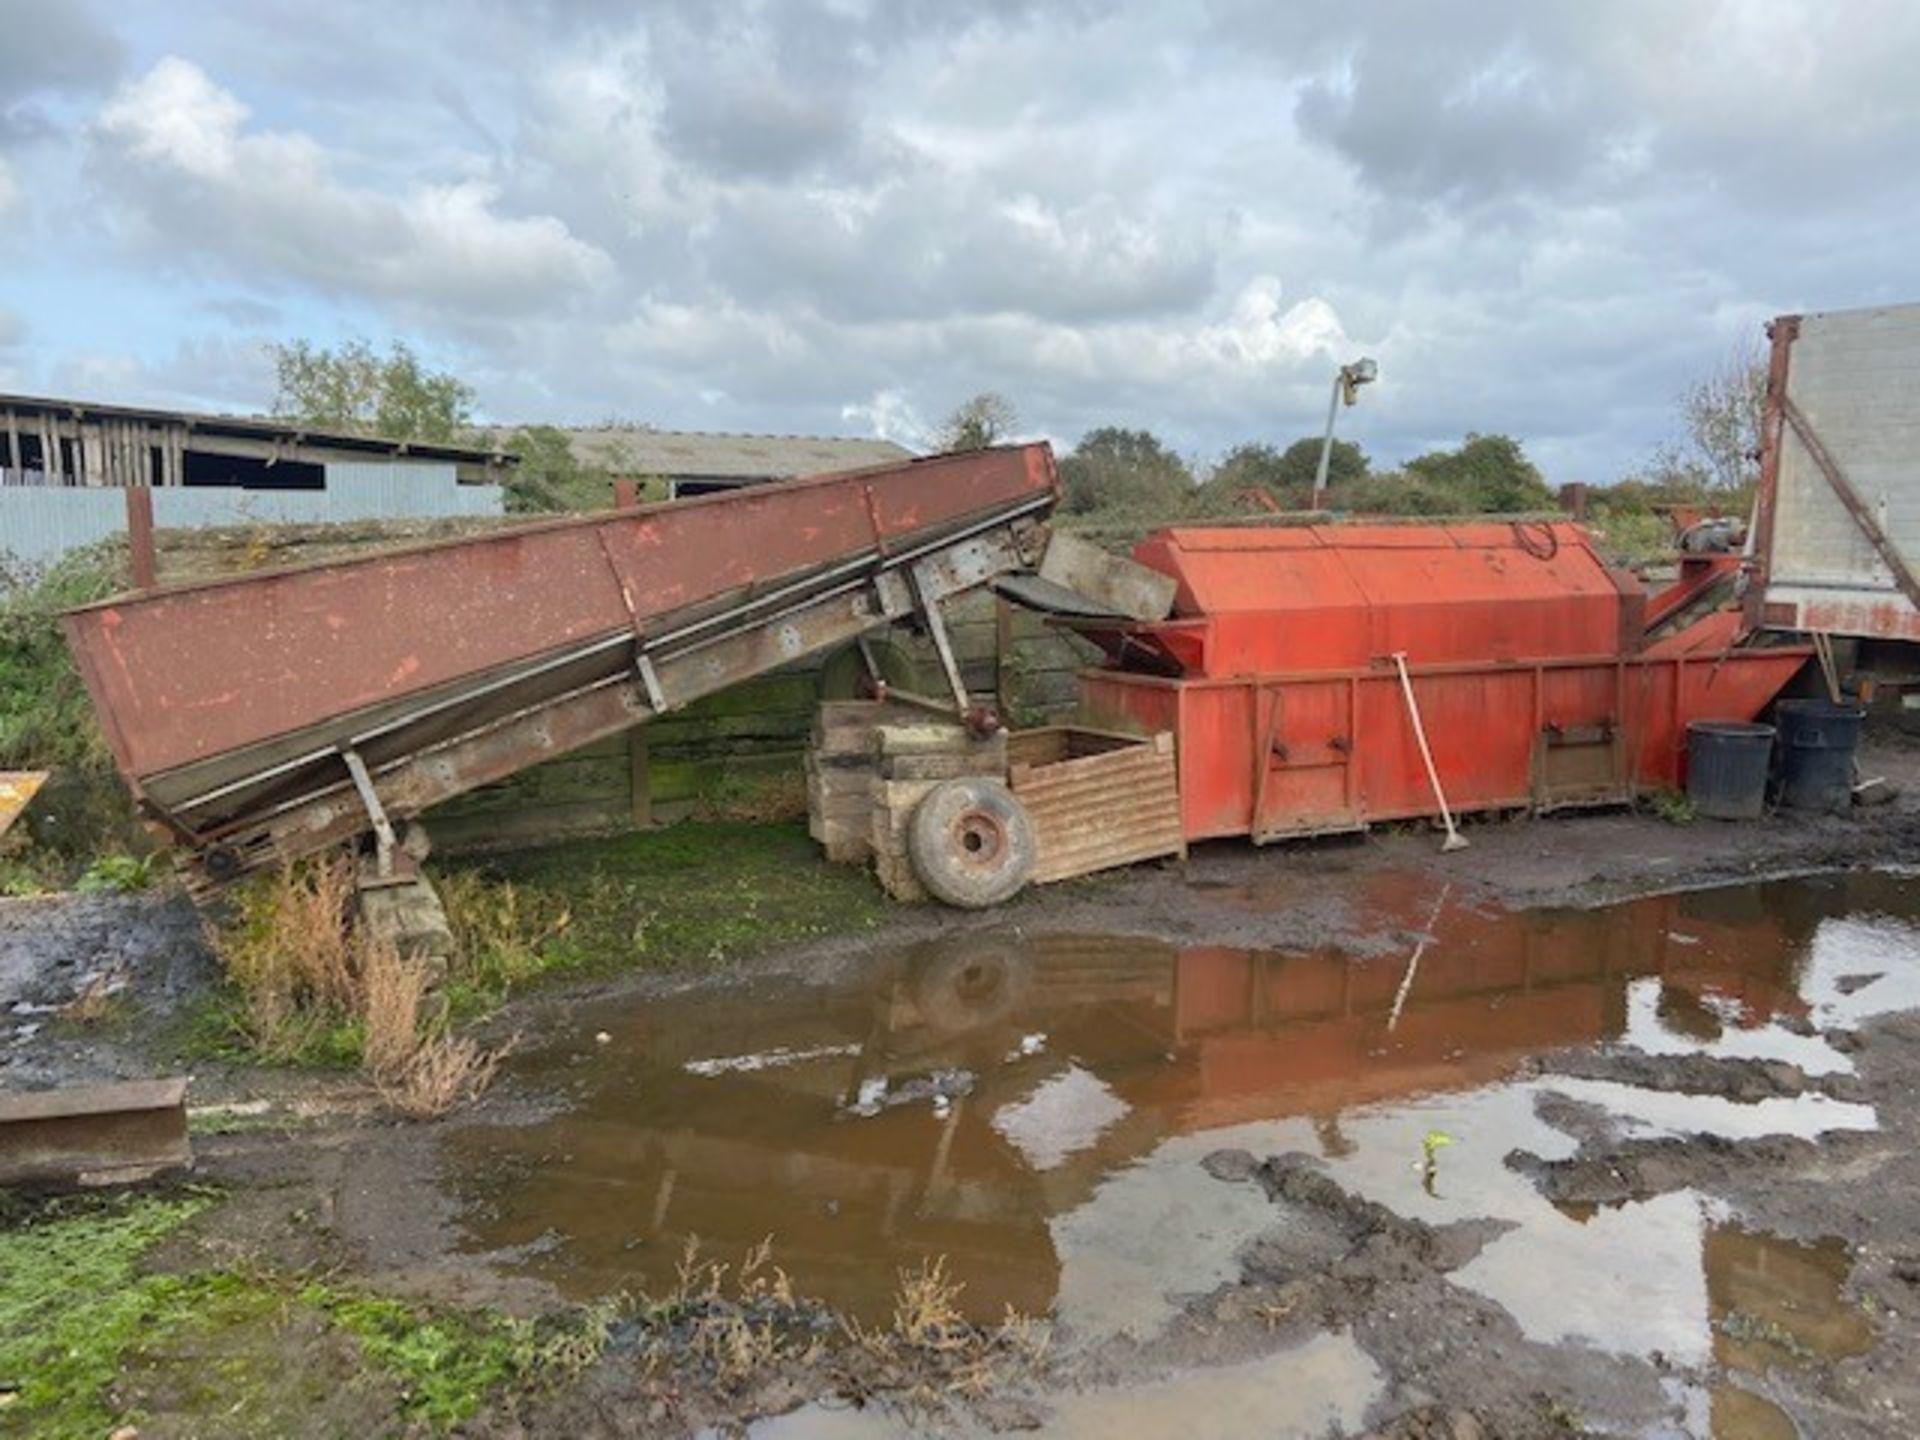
263, 717
1313, 679
1837, 520
1536, 677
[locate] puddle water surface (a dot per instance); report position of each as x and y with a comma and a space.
1034, 1108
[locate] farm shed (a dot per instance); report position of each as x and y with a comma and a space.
63, 462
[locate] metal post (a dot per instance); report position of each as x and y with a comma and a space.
383, 835
140, 536
1326, 445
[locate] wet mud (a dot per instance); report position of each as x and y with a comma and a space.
1508, 1172
1350, 1140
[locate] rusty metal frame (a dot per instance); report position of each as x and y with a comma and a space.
668, 670
1781, 333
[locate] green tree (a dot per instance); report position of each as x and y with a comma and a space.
1118, 469
550, 477
1487, 474
987, 419
1287, 475
354, 388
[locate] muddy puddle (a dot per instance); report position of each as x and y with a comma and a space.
1035, 1108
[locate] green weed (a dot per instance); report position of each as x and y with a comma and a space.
72, 1301
1672, 806
118, 875
445, 1365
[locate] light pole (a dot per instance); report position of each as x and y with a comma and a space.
1346, 386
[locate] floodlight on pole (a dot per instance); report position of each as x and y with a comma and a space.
1347, 381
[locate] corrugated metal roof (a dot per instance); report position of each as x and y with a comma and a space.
640, 451
268, 427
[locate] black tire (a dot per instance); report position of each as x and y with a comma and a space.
971, 843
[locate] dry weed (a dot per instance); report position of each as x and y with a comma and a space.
444, 1070
301, 964
932, 1355
392, 986
95, 1002
288, 948
733, 1334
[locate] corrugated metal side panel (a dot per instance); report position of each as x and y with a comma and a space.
40, 523
1855, 375
1102, 811
399, 490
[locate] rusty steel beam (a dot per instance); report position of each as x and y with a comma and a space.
94, 1134
1780, 334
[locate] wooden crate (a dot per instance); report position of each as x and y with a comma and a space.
1097, 800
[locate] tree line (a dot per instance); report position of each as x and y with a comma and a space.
1113, 472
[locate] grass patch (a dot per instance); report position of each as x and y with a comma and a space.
80, 1322
1673, 806
73, 1301
445, 1365
689, 894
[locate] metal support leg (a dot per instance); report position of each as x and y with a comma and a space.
650, 680
872, 662
937, 631
382, 827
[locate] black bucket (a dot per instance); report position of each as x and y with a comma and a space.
1727, 763
1817, 738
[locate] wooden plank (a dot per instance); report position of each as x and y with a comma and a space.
93, 450
1102, 810
1120, 584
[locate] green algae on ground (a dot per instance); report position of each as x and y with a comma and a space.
445, 1365
72, 1301
687, 895
85, 1332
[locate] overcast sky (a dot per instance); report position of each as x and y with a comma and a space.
845, 216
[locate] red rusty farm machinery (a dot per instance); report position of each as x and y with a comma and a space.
1312, 678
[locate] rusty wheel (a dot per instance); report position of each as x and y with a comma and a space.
971, 843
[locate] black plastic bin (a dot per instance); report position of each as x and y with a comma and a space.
1817, 739
1727, 767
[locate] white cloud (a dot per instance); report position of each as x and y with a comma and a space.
1541, 219
202, 189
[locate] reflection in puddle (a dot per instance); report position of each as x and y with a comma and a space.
1034, 1108
1322, 1387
